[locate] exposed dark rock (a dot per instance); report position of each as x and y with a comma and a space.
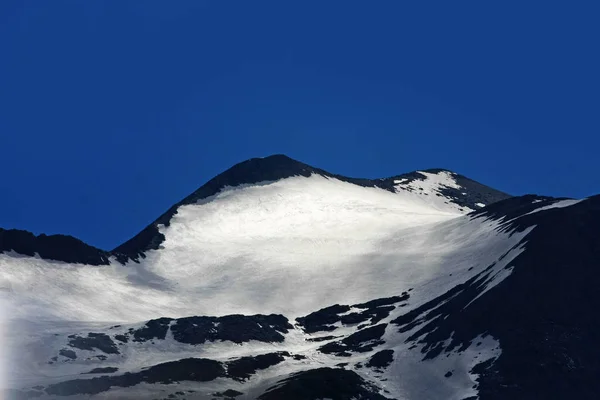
373, 315
189, 369
386, 301
51, 247
103, 370
322, 338
357, 340
191, 330
242, 368
321, 383
514, 207
374, 311
228, 393
322, 319
420, 314
154, 329
360, 341
337, 348
235, 328
93, 341
68, 353
381, 359
122, 338
548, 341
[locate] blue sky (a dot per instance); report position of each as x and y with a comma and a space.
111, 111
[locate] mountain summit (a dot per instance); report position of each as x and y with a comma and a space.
278, 280
452, 191
454, 188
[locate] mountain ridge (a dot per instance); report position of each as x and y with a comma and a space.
251, 171
254, 170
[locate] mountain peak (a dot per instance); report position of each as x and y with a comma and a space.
438, 188
465, 194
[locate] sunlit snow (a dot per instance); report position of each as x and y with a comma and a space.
289, 247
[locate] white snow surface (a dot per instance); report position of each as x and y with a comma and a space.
289, 247
244, 251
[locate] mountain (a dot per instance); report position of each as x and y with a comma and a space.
278, 280
277, 167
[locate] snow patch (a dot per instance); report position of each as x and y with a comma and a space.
558, 204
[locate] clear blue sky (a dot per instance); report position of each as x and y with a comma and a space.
111, 111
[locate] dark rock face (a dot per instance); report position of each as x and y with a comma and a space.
194, 331
103, 370
154, 329
53, 247
322, 338
374, 315
386, 301
428, 315
243, 368
187, 369
323, 319
544, 314
122, 338
228, 393
381, 359
323, 383
198, 330
515, 207
67, 353
235, 328
93, 341
374, 311
360, 341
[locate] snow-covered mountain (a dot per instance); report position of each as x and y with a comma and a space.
277, 280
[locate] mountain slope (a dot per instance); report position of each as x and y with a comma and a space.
279, 280
277, 167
